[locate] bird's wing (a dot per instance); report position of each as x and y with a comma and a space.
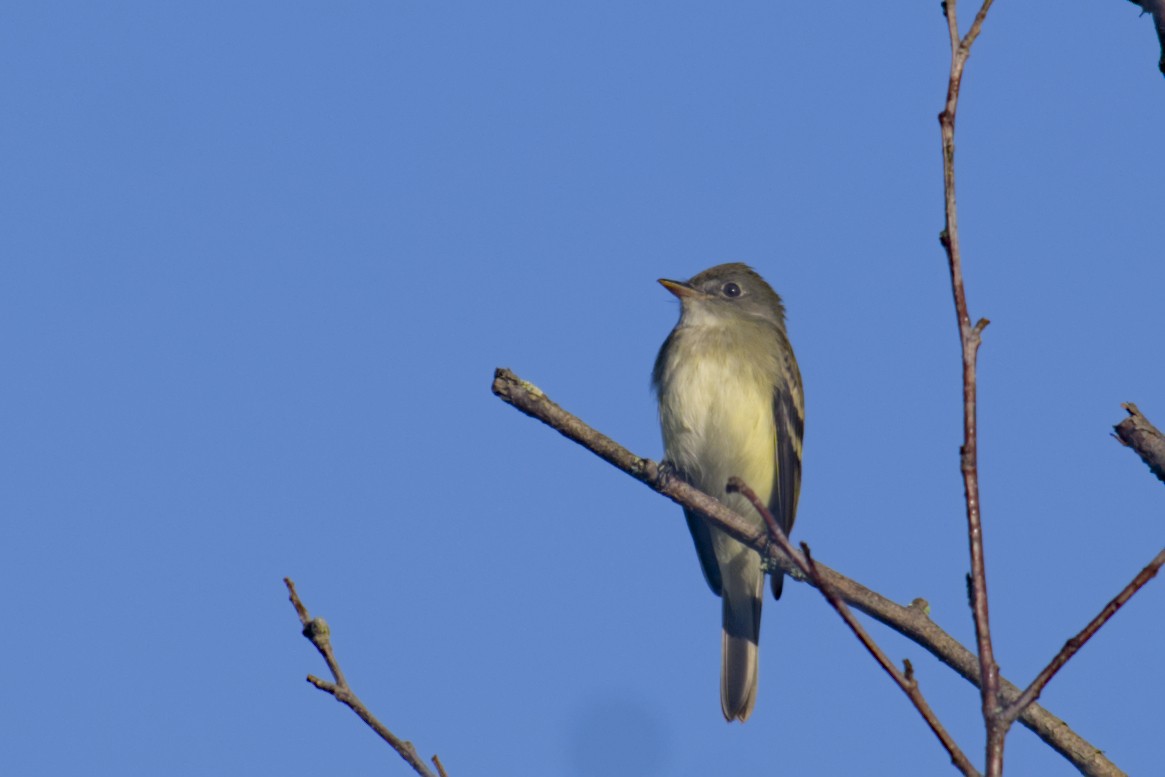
789, 417
702, 536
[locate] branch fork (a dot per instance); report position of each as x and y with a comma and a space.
911, 621
317, 632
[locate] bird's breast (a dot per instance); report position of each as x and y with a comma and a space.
716, 413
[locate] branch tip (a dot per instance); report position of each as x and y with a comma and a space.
1138, 433
300, 610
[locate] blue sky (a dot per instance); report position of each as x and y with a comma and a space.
260, 261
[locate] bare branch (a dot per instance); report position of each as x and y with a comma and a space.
317, 632
804, 561
1138, 433
1156, 9
1033, 691
970, 337
911, 621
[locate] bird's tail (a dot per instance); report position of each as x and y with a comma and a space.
741, 596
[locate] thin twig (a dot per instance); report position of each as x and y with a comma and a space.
317, 632
910, 621
1138, 433
1033, 691
1156, 8
907, 682
970, 337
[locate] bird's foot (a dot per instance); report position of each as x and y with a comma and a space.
665, 473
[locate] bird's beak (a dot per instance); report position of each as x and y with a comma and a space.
679, 288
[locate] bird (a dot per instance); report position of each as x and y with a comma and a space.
731, 404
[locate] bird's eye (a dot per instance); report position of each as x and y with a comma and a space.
730, 289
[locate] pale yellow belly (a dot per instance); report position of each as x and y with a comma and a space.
718, 422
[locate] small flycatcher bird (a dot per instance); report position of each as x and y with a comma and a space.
730, 403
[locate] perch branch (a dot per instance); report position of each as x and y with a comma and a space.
910, 621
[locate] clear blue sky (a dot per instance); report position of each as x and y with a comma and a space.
261, 259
